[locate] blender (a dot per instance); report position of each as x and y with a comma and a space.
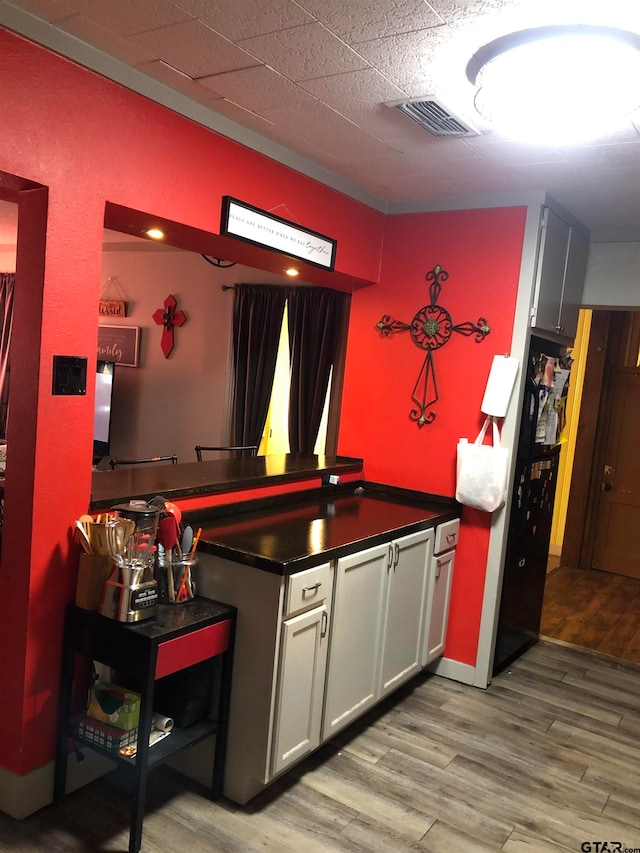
130, 594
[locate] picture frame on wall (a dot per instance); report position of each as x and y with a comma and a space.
120, 344
262, 228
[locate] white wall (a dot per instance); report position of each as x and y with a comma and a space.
167, 406
613, 276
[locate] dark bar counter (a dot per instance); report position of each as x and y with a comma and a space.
193, 479
307, 528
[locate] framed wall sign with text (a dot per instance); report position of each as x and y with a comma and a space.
120, 344
263, 229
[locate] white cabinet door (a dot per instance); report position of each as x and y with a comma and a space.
560, 276
573, 283
551, 266
356, 625
298, 711
404, 610
438, 606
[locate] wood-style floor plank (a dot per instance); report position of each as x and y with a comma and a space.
544, 759
594, 610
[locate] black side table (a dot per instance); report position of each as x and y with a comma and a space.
178, 637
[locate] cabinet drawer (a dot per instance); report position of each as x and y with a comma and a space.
447, 535
307, 589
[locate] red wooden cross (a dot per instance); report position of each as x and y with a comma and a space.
168, 318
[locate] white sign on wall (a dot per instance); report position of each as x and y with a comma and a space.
255, 226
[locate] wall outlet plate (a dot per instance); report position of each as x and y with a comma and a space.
330, 479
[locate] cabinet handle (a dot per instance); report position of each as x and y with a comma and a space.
438, 568
325, 623
451, 537
396, 558
390, 557
312, 588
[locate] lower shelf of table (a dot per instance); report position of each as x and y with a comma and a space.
178, 739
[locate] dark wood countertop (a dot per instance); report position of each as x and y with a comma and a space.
191, 479
309, 528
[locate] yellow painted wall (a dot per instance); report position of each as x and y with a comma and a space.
568, 437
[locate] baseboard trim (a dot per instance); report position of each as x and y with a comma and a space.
21, 796
454, 670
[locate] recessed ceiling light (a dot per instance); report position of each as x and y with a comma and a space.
154, 233
557, 84
292, 272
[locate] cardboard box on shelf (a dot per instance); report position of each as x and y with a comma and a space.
114, 705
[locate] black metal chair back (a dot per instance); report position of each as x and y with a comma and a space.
117, 463
239, 450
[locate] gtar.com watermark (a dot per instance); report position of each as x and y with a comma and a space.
607, 847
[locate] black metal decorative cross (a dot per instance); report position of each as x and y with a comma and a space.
430, 329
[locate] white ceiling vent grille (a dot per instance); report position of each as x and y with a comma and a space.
434, 117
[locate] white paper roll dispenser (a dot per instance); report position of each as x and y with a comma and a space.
500, 383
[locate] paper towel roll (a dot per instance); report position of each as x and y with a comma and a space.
500, 384
161, 723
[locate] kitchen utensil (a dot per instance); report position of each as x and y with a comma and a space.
158, 501
167, 532
168, 538
187, 539
98, 538
175, 511
83, 538
185, 587
194, 544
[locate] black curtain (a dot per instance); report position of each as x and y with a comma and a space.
257, 320
315, 320
7, 287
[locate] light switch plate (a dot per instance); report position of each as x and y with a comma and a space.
69, 375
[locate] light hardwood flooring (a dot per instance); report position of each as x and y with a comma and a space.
545, 759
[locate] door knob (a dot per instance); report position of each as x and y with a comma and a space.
606, 487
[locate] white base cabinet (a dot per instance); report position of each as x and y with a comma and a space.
352, 677
439, 591
438, 609
377, 626
404, 619
316, 649
300, 688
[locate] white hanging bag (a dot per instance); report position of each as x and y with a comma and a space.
482, 471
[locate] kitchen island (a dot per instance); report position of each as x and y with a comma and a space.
342, 595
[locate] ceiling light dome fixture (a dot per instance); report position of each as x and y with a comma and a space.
557, 84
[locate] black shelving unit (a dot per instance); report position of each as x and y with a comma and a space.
180, 636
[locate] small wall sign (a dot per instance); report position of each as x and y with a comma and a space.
112, 308
263, 229
119, 344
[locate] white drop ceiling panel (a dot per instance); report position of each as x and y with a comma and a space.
302, 53
257, 88
241, 19
307, 82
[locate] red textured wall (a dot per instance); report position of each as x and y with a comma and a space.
481, 250
88, 141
